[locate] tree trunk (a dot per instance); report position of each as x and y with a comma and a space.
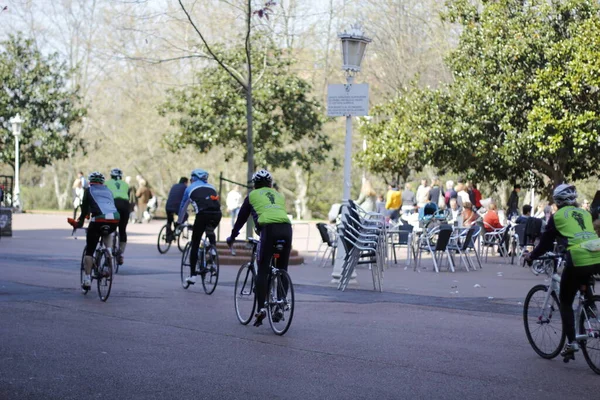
249, 138
61, 196
302, 211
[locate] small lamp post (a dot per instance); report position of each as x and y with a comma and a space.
16, 123
354, 44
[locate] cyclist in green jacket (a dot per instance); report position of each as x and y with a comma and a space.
572, 228
267, 207
120, 191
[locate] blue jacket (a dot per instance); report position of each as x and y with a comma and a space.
202, 196
175, 197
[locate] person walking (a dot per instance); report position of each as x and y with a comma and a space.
233, 202
513, 203
143, 195
132, 199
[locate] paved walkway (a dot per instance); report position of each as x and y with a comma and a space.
153, 340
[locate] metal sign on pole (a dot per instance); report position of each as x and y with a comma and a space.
348, 100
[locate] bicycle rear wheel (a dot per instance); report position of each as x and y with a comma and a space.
280, 299
543, 325
82, 272
104, 276
184, 237
163, 244
210, 277
591, 326
243, 294
185, 265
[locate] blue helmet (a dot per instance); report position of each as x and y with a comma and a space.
199, 174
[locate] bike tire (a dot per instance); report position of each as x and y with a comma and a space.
163, 244
115, 252
82, 272
554, 329
591, 347
185, 265
183, 238
280, 298
244, 298
211, 277
105, 276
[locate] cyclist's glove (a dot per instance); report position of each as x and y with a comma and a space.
229, 241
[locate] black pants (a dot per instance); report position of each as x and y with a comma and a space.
123, 209
204, 222
170, 220
94, 232
269, 235
570, 282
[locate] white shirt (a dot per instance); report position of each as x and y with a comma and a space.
234, 200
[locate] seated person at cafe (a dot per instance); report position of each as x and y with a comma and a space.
469, 216
491, 220
522, 219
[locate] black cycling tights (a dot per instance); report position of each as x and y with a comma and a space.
94, 232
570, 282
269, 235
204, 222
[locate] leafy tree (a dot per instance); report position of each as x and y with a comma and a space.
526, 88
287, 121
524, 98
36, 87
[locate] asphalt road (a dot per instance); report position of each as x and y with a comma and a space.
154, 340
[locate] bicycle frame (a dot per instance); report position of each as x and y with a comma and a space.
554, 287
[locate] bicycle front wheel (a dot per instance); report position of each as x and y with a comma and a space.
591, 327
163, 244
184, 237
543, 324
243, 294
105, 276
210, 277
185, 265
280, 298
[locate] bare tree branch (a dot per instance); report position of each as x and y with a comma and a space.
232, 72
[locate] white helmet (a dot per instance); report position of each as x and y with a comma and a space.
262, 176
565, 195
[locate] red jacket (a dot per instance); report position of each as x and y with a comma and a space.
491, 221
477, 198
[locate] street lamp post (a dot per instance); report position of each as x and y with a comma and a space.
354, 44
16, 123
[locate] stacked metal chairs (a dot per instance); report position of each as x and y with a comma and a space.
363, 236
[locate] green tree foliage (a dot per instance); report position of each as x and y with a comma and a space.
287, 121
524, 96
405, 134
36, 87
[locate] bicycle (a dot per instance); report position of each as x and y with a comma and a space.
280, 297
116, 250
207, 265
102, 270
542, 317
182, 235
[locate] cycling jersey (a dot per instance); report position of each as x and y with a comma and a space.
575, 224
269, 205
119, 189
202, 196
98, 202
